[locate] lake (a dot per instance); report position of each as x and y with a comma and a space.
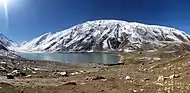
79, 58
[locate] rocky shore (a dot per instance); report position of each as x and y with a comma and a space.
146, 72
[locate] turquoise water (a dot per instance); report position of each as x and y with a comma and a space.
78, 58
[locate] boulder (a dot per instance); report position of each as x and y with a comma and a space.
2, 69
3, 64
16, 73
63, 73
22, 73
10, 76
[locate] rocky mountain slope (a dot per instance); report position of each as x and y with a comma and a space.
108, 35
6, 45
7, 42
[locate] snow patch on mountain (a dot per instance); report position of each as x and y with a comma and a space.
107, 35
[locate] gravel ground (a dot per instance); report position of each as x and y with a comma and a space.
149, 72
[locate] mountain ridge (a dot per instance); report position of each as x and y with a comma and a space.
107, 35
6, 47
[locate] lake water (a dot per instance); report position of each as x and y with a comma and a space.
78, 58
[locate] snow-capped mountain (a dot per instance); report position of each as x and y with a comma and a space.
6, 45
107, 35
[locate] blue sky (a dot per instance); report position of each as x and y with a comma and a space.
31, 18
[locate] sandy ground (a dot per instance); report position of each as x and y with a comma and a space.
149, 72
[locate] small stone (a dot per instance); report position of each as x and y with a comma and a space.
127, 77
157, 59
3, 63
29, 76
145, 69
104, 80
160, 78
174, 76
170, 84
141, 89
63, 73
75, 73
2, 69
82, 71
135, 91
70, 83
34, 72
82, 83
101, 90
165, 68
179, 68
139, 52
36, 69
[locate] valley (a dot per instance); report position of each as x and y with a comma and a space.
119, 57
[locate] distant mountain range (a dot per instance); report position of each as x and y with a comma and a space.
104, 35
